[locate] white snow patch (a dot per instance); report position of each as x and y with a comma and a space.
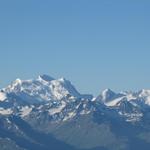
58, 90
85, 112
57, 109
5, 111
104, 93
147, 101
69, 116
93, 99
2, 96
114, 102
25, 111
78, 106
131, 97
8, 120
132, 117
144, 93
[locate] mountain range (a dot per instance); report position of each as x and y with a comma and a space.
51, 114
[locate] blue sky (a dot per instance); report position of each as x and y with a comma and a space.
94, 43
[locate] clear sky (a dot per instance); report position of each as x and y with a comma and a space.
96, 44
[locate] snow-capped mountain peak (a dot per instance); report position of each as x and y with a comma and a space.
14, 86
63, 88
107, 94
108, 97
44, 88
59, 96
45, 78
144, 93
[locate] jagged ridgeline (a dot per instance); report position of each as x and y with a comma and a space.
50, 114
